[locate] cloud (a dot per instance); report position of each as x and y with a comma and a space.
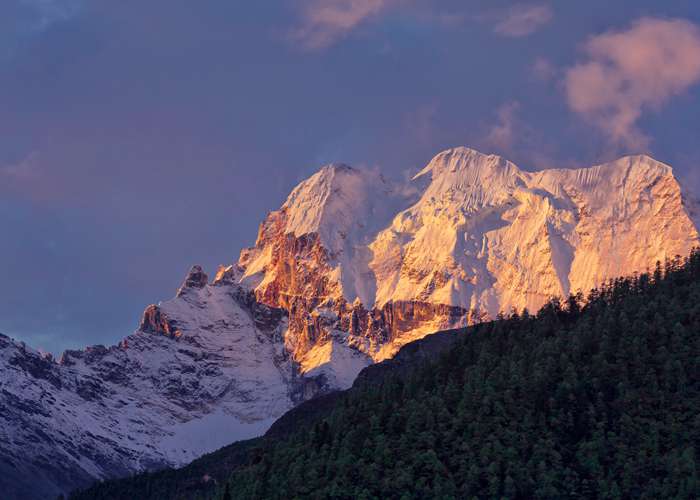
27, 178
23, 170
48, 12
21, 20
324, 22
501, 136
543, 70
628, 72
420, 123
521, 20
512, 137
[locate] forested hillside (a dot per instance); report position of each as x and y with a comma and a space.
590, 398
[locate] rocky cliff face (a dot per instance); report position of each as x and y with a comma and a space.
347, 271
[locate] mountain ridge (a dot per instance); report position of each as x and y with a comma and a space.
451, 243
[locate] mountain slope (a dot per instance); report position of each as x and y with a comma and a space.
203, 476
586, 400
204, 361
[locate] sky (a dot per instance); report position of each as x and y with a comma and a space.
138, 138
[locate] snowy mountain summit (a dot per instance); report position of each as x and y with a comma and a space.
348, 270
355, 262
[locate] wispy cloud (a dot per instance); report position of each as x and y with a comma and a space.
23, 170
21, 20
420, 123
324, 22
511, 136
543, 70
520, 20
48, 12
627, 72
501, 135
28, 178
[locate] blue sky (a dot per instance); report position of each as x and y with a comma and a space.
138, 138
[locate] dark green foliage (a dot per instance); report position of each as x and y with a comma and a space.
227, 492
590, 399
595, 398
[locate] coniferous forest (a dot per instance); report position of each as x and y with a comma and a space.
593, 397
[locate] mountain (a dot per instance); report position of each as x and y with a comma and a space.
595, 398
360, 263
348, 270
207, 360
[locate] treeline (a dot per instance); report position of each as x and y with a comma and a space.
594, 398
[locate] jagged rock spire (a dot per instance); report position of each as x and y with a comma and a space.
196, 278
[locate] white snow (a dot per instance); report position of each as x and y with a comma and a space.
337, 361
345, 207
154, 400
485, 234
481, 234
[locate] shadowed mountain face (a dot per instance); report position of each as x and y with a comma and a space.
346, 272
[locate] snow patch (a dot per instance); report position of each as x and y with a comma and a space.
338, 362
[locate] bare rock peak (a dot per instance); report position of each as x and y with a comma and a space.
338, 167
154, 320
196, 278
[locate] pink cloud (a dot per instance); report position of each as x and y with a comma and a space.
512, 137
543, 70
501, 136
630, 71
521, 20
420, 123
23, 170
324, 22
28, 178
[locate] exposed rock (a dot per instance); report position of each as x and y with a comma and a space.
155, 321
196, 278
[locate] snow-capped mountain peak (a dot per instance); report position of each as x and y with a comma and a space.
326, 202
467, 162
480, 236
196, 278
